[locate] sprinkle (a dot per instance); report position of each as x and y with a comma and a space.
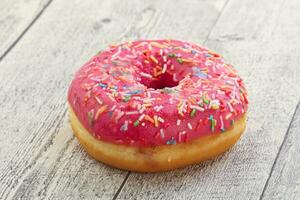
141, 117
126, 98
190, 126
98, 100
193, 112
179, 60
132, 112
160, 119
206, 101
158, 108
102, 85
162, 134
148, 118
100, 110
136, 123
213, 123
232, 122
135, 92
228, 115
221, 123
154, 59
230, 106
171, 141
90, 116
172, 55
197, 108
164, 68
124, 127
164, 58
110, 97
145, 75
113, 108
155, 121
178, 122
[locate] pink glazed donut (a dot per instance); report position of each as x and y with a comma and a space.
156, 105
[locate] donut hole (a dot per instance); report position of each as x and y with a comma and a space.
161, 82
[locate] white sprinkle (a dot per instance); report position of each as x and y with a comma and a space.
143, 124
196, 107
165, 58
111, 97
230, 107
164, 68
158, 108
190, 126
146, 75
160, 119
98, 100
162, 134
178, 122
161, 52
222, 123
132, 112
141, 117
95, 79
114, 107
150, 46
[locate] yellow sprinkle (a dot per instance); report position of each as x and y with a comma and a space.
215, 106
100, 110
228, 115
148, 118
154, 59
186, 60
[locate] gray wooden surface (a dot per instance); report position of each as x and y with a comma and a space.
42, 43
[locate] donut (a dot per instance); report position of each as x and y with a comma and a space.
157, 105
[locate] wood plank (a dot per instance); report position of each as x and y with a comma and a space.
284, 181
16, 18
258, 37
39, 157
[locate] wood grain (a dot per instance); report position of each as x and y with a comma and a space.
16, 17
258, 37
39, 157
284, 180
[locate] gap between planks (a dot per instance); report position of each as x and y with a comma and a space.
10, 47
279, 151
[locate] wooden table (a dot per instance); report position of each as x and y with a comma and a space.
42, 44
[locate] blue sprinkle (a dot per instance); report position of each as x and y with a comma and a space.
171, 141
193, 51
208, 55
102, 85
135, 92
197, 72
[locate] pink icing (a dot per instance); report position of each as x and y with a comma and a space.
156, 92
